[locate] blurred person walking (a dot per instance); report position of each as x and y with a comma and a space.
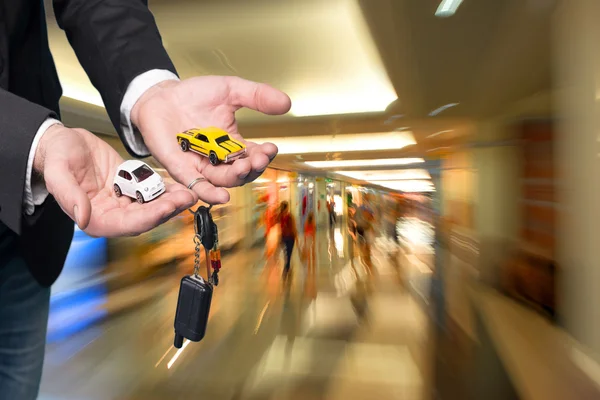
331, 210
351, 237
309, 252
310, 232
364, 219
289, 234
54, 177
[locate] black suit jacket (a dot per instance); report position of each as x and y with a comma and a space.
115, 41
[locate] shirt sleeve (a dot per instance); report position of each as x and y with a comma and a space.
35, 190
135, 90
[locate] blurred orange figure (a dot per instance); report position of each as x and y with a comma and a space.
310, 231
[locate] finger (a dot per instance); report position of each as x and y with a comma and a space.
228, 175
65, 188
187, 167
176, 187
269, 149
257, 96
243, 170
261, 155
260, 161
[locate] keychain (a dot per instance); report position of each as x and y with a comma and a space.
195, 294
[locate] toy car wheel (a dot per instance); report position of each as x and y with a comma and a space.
139, 197
117, 190
212, 157
185, 145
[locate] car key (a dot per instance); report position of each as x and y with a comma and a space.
195, 294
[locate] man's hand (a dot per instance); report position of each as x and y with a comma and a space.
79, 169
172, 107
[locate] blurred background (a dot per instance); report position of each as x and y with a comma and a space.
445, 150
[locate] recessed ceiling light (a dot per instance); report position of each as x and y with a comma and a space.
387, 175
414, 186
440, 133
341, 143
442, 108
447, 8
364, 163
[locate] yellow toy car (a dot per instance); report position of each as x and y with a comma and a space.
214, 143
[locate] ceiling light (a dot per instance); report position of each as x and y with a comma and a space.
348, 101
414, 186
364, 163
440, 133
442, 108
387, 175
342, 76
340, 143
447, 8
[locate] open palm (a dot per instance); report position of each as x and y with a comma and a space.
79, 169
173, 106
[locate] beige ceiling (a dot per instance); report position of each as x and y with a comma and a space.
353, 53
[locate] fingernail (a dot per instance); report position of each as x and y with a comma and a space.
75, 209
244, 176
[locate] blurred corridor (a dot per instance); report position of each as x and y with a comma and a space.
334, 333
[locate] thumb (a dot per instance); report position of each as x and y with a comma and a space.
67, 191
258, 96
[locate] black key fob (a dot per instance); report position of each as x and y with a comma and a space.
193, 307
205, 227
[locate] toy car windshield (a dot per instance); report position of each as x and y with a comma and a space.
142, 173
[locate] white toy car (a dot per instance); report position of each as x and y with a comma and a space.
136, 179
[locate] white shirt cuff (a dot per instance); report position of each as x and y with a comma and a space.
135, 90
35, 189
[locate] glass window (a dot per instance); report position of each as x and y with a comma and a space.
142, 173
127, 175
122, 174
202, 138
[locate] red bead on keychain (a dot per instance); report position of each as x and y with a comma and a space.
215, 260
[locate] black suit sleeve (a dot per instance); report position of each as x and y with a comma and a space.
115, 41
20, 120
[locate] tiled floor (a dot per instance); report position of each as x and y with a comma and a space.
326, 337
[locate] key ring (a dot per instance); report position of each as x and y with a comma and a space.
194, 212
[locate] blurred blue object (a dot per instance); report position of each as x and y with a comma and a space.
79, 293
